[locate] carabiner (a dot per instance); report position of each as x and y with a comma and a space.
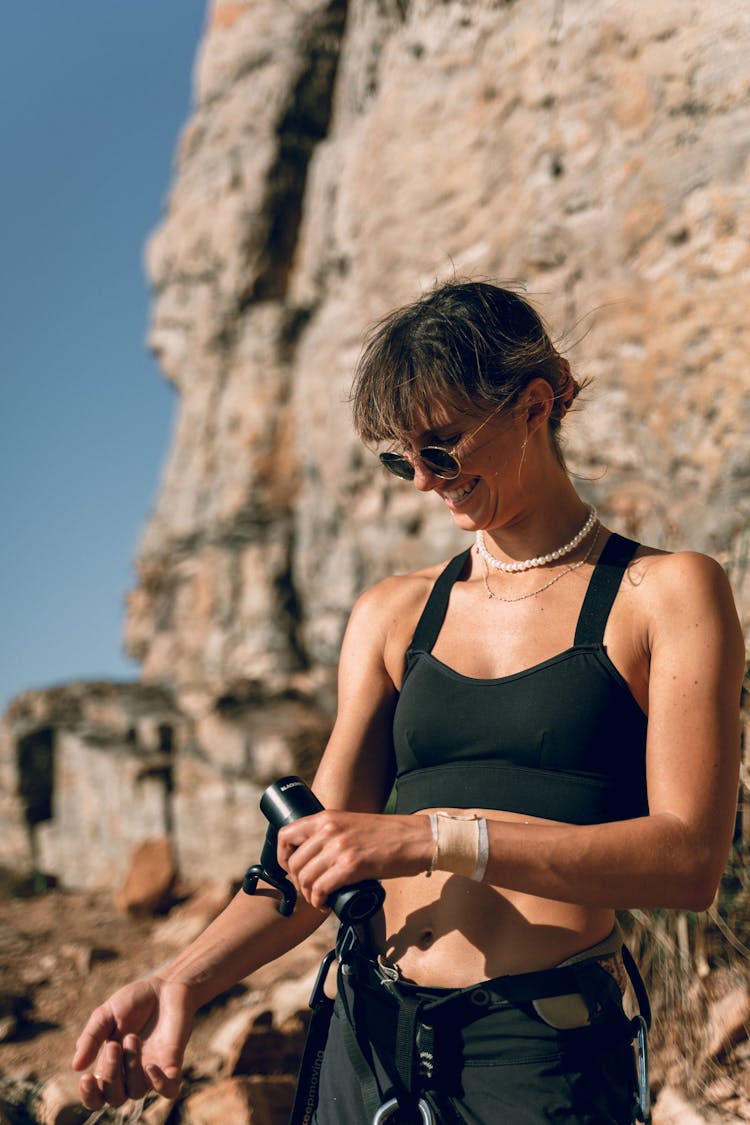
644, 1094
388, 1109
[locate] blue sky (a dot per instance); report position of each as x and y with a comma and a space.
93, 95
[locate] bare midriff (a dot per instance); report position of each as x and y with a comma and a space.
449, 931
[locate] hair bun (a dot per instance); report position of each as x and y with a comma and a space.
568, 388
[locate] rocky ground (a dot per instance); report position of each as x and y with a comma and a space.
62, 952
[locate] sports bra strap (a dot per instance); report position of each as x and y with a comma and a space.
433, 614
600, 595
602, 589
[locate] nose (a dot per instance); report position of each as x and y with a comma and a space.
424, 480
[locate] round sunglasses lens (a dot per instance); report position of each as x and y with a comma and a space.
440, 462
397, 465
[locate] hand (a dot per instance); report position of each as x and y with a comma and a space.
335, 849
139, 1036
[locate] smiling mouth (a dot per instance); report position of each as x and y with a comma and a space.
457, 495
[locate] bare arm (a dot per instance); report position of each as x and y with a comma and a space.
146, 1025
676, 855
672, 858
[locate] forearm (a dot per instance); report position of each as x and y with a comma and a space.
246, 935
653, 861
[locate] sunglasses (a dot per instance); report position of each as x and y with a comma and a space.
440, 462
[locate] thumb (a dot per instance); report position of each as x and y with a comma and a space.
165, 1081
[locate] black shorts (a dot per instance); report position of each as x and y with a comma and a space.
507, 1067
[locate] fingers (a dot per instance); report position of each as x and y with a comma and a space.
292, 837
91, 1095
166, 1082
137, 1083
109, 1074
100, 1026
317, 879
163, 1055
119, 1075
320, 853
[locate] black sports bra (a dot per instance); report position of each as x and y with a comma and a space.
564, 739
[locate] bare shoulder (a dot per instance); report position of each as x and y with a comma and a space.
388, 612
396, 595
677, 574
683, 589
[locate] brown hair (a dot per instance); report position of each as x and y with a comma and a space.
471, 344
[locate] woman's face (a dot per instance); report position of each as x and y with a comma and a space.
490, 449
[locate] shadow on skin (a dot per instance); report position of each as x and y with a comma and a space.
447, 913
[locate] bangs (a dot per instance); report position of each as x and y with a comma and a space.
470, 346
406, 378
409, 399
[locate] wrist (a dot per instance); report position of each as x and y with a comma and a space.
188, 983
460, 845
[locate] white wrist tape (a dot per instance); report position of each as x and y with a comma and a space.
461, 845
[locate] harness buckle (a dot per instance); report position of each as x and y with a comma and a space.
425, 1039
391, 1107
347, 941
318, 995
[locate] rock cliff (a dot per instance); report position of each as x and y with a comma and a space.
341, 156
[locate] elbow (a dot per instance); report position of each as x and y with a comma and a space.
695, 862
697, 888
698, 898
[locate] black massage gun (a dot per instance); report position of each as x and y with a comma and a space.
282, 803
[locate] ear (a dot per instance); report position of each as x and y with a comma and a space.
537, 402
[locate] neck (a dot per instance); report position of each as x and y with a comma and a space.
537, 531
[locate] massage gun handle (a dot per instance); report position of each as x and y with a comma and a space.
287, 800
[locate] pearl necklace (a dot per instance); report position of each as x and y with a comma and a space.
541, 560
546, 586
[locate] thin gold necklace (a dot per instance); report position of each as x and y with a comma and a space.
546, 586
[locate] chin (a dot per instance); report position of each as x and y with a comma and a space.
467, 522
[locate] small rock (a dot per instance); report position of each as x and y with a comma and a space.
720, 1090
742, 1080
187, 921
13, 1009
242, 1101
157, 1112
236, 1026
671, 1108
16, 1092
728, 1021
33, 976
82, 956
262, 1048
59, 1102
292, 996
150, 879
79, 954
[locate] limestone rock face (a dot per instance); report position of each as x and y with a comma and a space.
342, 155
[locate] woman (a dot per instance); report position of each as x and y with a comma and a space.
558, 708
